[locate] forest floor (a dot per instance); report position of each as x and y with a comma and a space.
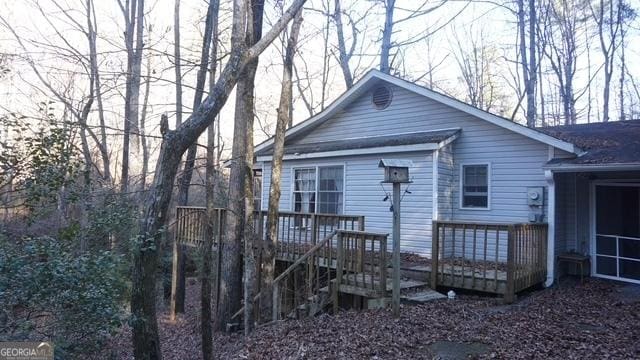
596, 319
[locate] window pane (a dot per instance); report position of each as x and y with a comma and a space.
330, 189
304, 190
630, 269
606, 266
605, 245
475, 186
629, 248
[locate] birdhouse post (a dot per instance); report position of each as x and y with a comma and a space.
396, 172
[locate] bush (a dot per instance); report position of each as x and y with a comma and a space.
49, 292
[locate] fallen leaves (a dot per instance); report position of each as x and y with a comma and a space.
572, 322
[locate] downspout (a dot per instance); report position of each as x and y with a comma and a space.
551, 232
435, 213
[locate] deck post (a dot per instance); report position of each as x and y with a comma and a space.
395, 296
435, 254
311, 262
383, 265
339, 266
509, 295
275, 313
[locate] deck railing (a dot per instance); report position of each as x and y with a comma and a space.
191, 224
498, 257
361, 263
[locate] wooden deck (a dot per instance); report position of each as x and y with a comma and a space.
334, 249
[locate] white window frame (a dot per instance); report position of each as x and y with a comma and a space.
317, 167
261, 198
461, 186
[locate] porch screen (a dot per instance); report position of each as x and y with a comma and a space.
475, 188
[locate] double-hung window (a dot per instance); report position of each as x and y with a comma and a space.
319, 190
475, 186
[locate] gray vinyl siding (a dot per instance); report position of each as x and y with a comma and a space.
516, 161
446, 170
364, 195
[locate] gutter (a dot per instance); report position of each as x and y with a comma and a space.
595, 167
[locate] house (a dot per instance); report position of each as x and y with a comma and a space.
583, 181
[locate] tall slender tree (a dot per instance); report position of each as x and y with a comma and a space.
133, 12
174, 144
284, 117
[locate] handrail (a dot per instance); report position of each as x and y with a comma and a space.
292, 267
304, 257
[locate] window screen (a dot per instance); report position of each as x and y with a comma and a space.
330, 196
304, 190
475, 186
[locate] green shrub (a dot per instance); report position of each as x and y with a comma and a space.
49, 292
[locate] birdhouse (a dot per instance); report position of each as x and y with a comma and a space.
395, 171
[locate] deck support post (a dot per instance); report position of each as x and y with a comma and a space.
509, 295
339, 268
395, 296
435, 253
177, 280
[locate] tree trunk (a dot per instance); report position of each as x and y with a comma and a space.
178, 284
247, 104
143, 137
207, 259
284, 113
93, 59
187, 172
342, 48
174, 144
387, 31
134, 18
533, 74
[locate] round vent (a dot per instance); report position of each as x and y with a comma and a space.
381, 97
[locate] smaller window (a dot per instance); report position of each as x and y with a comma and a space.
475, 186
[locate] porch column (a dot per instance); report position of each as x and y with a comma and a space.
551, 232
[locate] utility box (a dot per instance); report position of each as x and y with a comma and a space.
396, 171
535, 196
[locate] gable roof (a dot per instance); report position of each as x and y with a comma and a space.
616, 142
375, 76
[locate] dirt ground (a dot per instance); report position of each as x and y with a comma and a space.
595, 320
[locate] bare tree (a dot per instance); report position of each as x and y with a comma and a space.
174, 144
133, 11
561, 35
210, 176
528, 63
245, 113
284, 117
608, 17
344, 54
477, 60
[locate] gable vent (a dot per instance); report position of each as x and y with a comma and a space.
381, 97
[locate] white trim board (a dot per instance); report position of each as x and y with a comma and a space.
375, 75
363, 151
